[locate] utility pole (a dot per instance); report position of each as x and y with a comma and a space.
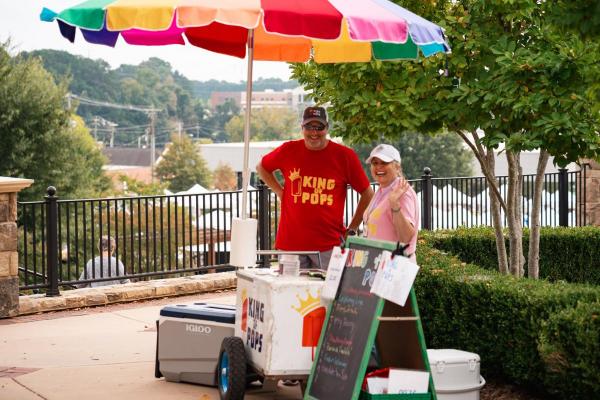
179, 129
112, 126
152, 116
95, 122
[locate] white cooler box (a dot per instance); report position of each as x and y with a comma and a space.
455, 374
279, 320
189, 340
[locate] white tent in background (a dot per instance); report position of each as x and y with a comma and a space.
481, 198
572, 201
454, 196
216, 219
549, 200
196, 189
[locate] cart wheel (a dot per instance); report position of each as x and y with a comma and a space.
231, 375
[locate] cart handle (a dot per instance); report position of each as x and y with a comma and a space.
290, 252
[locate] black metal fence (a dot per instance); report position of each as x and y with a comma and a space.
181, 234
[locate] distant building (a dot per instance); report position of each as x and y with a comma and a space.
218, 98
292, 99
232, 154
129, 161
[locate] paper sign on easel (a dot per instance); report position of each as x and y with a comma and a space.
407, 381
394, 279
334, 272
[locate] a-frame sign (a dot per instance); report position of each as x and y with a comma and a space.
360, 327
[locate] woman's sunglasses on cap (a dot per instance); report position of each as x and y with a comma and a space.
314, 127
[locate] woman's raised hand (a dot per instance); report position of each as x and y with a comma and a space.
397, 192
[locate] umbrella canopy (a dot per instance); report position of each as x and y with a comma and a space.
288, 30
328, 31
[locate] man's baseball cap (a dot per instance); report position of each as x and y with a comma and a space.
385, 153
314, 114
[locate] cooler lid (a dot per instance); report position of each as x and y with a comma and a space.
204, 311
451, 356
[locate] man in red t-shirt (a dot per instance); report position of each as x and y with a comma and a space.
316, 173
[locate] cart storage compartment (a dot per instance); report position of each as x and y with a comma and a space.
189, 339
455, 374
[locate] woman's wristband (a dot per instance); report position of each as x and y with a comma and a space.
395, 210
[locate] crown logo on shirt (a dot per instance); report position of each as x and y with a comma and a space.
294, 174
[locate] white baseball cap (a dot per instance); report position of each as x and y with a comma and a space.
385, 153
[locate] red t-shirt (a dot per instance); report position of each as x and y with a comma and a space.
314, 193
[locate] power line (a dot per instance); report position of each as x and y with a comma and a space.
98, 103
149, 111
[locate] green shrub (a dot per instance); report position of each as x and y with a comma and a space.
570, 254
501, 318
570, 348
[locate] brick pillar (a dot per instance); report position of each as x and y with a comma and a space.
592, 195
9, 272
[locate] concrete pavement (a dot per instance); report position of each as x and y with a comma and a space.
97, 355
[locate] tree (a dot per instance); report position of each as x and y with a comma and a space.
40, 138
182, 166
266, 124
225, 178
220, 117
134, 187
452, 158
511, 74
582, 16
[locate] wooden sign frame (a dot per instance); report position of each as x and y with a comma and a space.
396, 332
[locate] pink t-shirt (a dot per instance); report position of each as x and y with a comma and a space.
378, 223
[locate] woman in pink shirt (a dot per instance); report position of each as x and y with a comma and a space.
393, 213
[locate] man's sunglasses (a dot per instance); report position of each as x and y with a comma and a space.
319, 127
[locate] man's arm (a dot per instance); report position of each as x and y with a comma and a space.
365, 199
270, 180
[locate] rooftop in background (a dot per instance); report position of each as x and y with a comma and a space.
233, 153
129, 156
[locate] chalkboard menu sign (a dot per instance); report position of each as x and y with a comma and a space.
351, 326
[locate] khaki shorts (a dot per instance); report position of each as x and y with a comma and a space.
312, 260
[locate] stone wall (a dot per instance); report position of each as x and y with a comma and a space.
592, 195
129, 292
9, 261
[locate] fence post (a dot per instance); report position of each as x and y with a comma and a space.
264, 210
52, 241
563, 197
427, 199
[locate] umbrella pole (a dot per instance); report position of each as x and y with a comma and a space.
246, 171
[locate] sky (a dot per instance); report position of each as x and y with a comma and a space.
19, 21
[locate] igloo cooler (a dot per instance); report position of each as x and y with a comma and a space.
455, 374
189, 340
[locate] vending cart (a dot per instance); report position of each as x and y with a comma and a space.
277, 326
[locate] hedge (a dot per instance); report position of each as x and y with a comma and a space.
515, 325
569, 254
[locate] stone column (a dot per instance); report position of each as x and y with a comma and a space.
592, 193
9, 271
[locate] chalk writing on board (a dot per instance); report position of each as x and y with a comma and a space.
344, 343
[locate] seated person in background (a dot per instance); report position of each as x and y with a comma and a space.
103, 266
393, 213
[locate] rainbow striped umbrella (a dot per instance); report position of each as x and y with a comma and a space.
329, 31
284, 30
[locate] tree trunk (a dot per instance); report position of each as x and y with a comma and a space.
487, 162
533, 258
513, 206
497, 221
